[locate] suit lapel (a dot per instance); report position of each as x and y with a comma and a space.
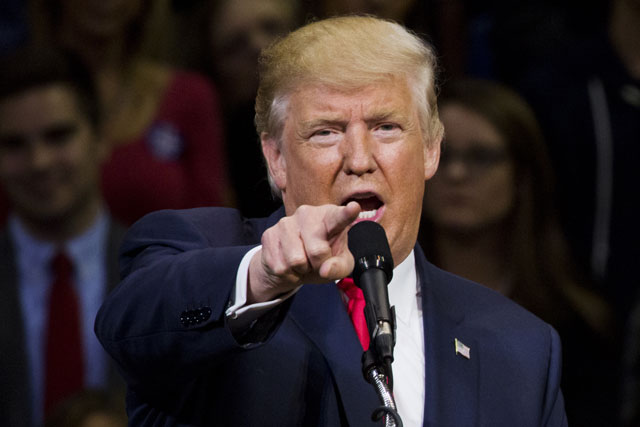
451, 380
319, 312
15, 386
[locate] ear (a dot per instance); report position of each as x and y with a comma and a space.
275, 160
431, 158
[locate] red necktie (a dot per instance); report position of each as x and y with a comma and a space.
355, 308
64, 363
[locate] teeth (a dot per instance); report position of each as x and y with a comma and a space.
367, 214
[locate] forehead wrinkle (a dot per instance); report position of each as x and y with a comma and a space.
322, 122
382, 116
322, 114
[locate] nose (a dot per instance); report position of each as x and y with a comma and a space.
359, 155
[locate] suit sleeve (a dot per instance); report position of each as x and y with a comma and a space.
554, 414
165, 321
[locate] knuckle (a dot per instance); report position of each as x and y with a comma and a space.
318, 251
266, 238
297, 262
279, 270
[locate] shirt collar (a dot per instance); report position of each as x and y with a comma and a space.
403, 288
36, 252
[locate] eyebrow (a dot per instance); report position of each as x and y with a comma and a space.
375, 117
384, 116
315, 123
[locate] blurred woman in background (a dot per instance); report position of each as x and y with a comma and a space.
489, 216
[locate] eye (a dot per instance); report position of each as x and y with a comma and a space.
60, 134
485, 156
325, 136
323, 132
387, 130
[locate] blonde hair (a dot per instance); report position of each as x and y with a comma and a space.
347, 53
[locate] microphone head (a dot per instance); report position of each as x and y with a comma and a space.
369, 246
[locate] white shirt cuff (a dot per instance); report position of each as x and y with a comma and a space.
239, 315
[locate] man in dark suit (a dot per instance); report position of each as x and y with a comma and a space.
50, 155
222, 320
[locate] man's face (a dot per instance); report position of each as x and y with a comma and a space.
49, 155
364, 145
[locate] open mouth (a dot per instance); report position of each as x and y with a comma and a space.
370, 205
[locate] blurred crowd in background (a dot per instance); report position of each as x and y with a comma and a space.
111, 109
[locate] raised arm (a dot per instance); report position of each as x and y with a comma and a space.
166, 319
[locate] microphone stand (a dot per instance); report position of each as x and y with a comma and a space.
376, 368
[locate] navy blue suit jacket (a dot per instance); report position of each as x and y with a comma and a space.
165, 325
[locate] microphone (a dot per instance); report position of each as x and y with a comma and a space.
372, 273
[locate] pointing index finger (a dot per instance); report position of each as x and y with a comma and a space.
339, 219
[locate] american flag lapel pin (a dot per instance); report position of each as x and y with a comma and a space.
462, 349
